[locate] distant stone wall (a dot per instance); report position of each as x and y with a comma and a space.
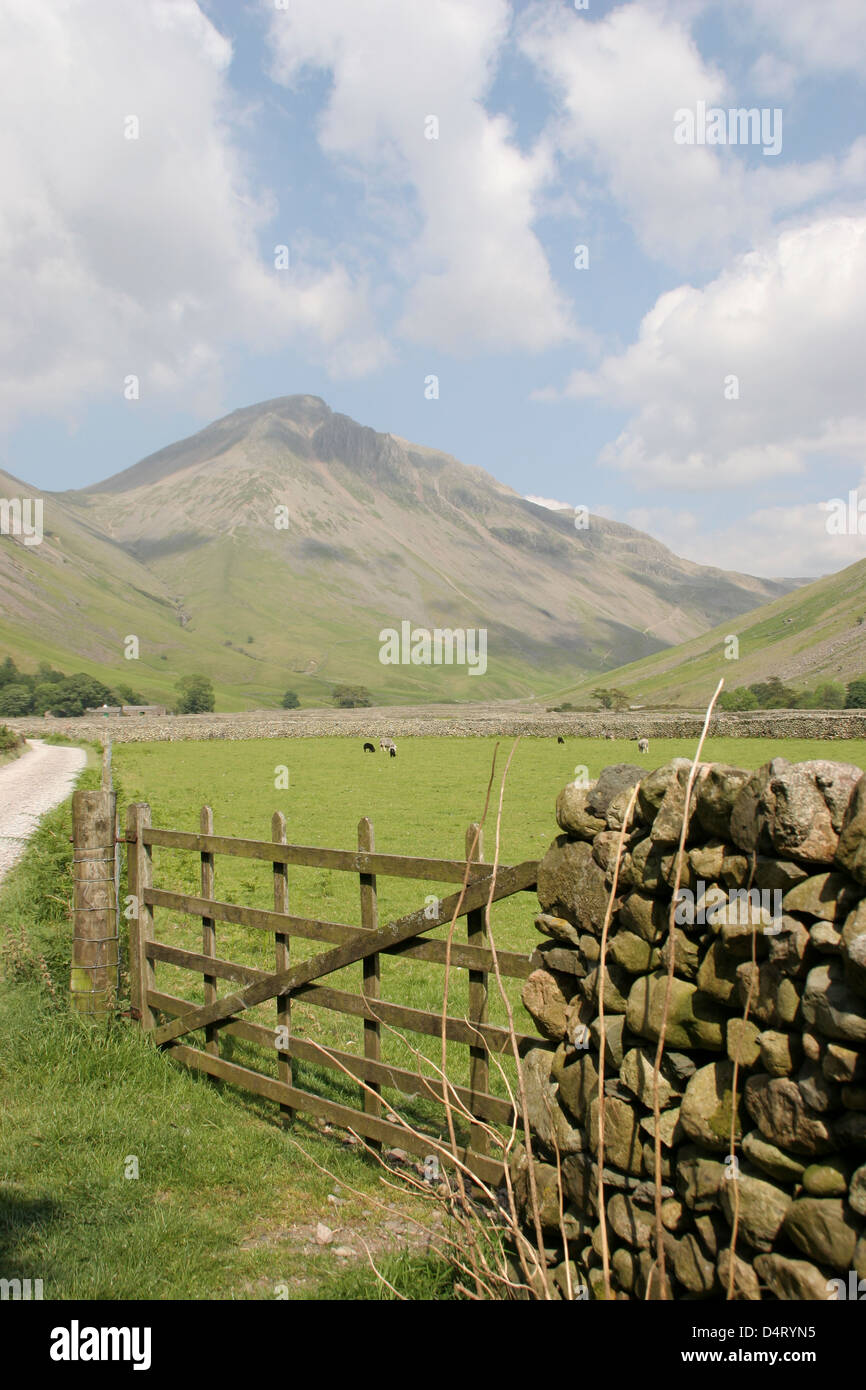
378, 723
795, 949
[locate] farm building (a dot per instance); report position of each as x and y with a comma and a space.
121, 710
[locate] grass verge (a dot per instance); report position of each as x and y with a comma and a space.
126, 1177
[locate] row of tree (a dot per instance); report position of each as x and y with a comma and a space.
196, 691
771, 694
774, 694
23, 692
196, 696
47, 690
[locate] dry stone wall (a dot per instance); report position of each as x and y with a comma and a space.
769, 953
450, 722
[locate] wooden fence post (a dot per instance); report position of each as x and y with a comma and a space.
208, 930
284, 1001
93, 977
140, 869
372, 976
479, 1066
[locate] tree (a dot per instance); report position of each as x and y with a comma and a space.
611, 699
772, 694
739, 698
15, 700
66, 701
9, 673
830, 696
44, 693
855, 695
195, 695
348, 696
47, 674
127, 696
290, 700
76, 693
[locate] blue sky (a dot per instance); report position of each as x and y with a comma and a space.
608, 386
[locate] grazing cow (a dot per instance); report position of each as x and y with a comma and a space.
643, 745
560, 739
393, 751
369, 748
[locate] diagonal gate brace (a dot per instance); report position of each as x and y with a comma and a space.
367, 943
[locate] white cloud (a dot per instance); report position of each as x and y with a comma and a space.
783, 541
790, 541
786, 321
475, 273
820, 35
619, 81
772, 74
138, 256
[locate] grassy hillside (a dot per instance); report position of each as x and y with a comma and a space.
813, 635
74, 599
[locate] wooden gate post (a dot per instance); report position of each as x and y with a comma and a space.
140, 870
479, 1066
208, 928
283, 961
371, 986
93, 977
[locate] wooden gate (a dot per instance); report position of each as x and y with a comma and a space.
172, 1019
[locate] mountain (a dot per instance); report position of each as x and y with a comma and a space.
77, 593
183, 550
813, 635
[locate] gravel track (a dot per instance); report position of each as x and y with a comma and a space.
29, 786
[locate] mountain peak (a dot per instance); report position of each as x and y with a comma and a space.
302, 414
301, 410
